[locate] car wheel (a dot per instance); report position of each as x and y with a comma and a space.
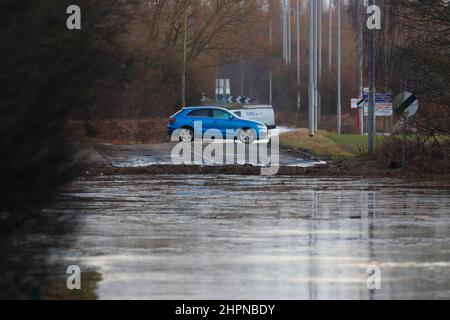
247, 136
186, 135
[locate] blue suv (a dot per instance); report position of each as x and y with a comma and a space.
215, 123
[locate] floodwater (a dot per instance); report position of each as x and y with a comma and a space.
160, 154
210, 153
234, 237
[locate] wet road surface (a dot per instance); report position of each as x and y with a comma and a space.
161, 154
233, 237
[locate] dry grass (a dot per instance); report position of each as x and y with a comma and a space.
423, 156
119, 131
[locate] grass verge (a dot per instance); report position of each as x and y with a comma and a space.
326, 145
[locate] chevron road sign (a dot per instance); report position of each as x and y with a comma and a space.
240, 100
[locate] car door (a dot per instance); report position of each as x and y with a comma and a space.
200, 115
222, 121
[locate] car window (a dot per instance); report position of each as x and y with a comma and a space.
199, 113
219, 114
238, 113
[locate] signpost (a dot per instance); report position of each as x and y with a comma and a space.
223, 90
406, 105
223, 94
360, 122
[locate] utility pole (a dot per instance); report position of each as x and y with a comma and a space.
330, 35
283, 27
316, 95
311, 72
339, 111
286, 18
242, 65
319, 116
286, 31
298, 59
183, 75
289, 33
361, 63
270, 51
371, 117
320, 38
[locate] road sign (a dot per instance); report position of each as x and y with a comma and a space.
357, 103
240, 100
406, 104
361, 103
383, 104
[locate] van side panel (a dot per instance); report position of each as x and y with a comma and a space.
264, 115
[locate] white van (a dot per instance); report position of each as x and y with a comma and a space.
260, 113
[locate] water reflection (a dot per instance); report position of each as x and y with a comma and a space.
28, 268
233, 237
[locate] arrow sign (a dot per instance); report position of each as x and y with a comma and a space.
406, 104
240, 100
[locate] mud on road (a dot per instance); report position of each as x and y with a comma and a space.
155, 159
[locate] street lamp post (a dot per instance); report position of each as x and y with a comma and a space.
330, 34
339, 111
361, 63
298, 59
371, 117
183, 74
311, 72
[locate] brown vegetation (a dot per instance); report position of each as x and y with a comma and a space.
424, 155
118, 131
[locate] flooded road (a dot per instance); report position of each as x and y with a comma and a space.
158, 154
133, 156
233, 237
